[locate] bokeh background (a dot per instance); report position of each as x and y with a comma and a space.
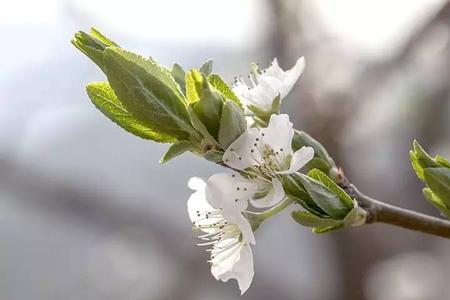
86, 211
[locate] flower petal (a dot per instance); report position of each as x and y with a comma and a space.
278, 134
291, 76
246, 229
238, 266
239, 154
300, 158
275, 195
198, 206
196, 183
265, 92
230, 192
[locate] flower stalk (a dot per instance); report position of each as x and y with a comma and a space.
256, 219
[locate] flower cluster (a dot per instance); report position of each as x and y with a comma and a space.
260, 157
239, 127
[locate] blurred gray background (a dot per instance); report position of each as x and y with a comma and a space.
86, 211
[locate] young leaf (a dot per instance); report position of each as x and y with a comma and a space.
442, 161
177, 149
438, 179
436, 201
308, 219
302, 139
104, 98
209, 108
318, 163
149, 92
425, 160
179, 75
206, 67
217, 82
356, 217
329, 183
232, 123
416, 165
213, 155
99, 36
93, 45
325, 198
295, 190
194, 83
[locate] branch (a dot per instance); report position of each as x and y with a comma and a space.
379, 212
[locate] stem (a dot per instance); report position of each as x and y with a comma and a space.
274, 210
256, 219
380, 212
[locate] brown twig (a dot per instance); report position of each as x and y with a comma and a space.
380, 212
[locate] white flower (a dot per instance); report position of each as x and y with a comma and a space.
215, 208
268, 84
266, 154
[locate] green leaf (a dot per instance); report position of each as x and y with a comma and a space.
325, 198
302, 139
295, 190
179, 75
232, 124
213, 155
206, 67
217, 82
442, 161
308, 219
201, 128
104, 98
356, 217
327, 229
177, 149
318, 163
436, 201
438, 179
416, 165
423, 158
149, 92
330, 184
93, 45
209, 108
100, 37
194, 83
